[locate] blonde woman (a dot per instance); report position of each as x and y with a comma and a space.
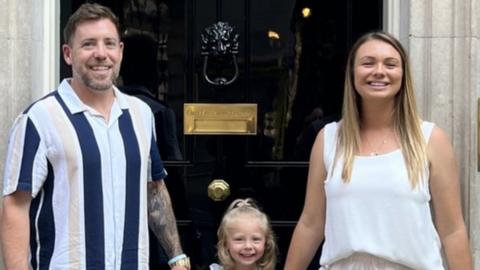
375, 174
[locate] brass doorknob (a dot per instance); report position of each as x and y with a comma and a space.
218, 190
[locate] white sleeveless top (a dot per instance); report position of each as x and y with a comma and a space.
378, 212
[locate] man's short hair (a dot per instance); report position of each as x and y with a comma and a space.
88, 12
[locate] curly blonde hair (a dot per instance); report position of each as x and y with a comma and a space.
246, 208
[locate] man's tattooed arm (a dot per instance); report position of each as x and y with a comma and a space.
162, 219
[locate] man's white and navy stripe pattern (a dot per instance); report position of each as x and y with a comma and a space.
88, 180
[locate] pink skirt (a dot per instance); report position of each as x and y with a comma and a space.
363, 261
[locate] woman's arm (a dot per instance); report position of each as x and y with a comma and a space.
445, 190
309, 232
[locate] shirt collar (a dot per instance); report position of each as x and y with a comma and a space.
75, 105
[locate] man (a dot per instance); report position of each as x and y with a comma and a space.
78, 165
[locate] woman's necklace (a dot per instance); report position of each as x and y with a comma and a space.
375, 151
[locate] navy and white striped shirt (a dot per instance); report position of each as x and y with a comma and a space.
88, 180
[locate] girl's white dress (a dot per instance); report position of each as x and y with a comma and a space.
215, 266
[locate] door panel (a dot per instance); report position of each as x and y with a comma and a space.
291, 65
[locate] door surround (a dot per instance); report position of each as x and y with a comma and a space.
459, 119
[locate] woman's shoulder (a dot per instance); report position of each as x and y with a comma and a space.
215, 266
427, 129
427, 124
332, 124
437, 136
433, 133
331, 128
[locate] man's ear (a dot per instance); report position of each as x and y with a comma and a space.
67, 54
121, 50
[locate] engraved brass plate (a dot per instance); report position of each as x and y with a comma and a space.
220, 119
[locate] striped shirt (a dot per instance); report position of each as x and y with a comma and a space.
88, 180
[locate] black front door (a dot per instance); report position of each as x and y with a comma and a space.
290, 59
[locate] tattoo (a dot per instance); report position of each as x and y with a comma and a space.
162, 219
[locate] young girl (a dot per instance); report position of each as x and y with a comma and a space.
245, 239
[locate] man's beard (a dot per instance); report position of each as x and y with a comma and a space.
98, 85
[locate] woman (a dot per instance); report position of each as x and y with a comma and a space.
373, 175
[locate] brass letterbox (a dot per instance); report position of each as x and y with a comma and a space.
219, 119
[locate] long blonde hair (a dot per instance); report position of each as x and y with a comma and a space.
239, 209
406, 121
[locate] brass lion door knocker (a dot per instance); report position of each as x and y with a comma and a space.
220, 42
